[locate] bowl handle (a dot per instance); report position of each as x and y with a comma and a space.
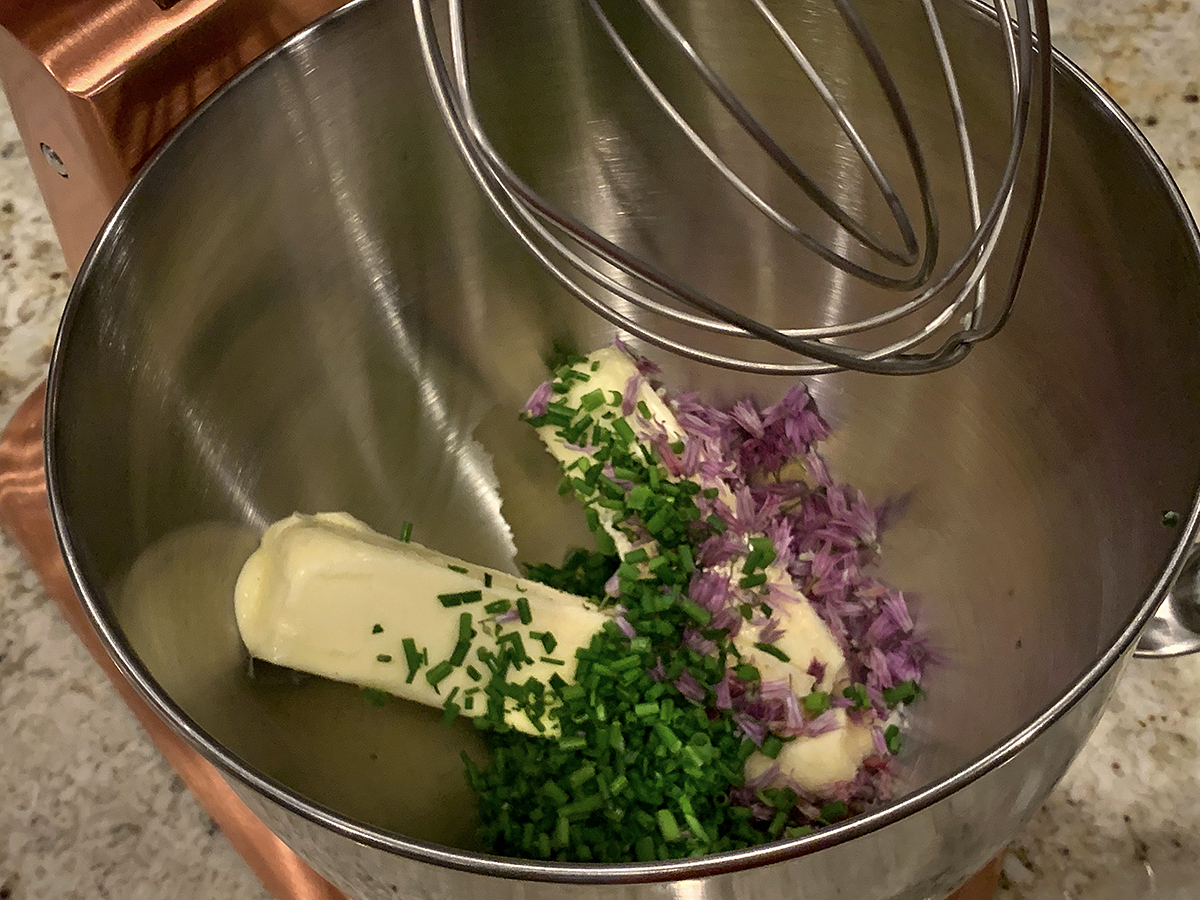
1175, 628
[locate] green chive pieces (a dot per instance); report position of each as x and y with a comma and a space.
772, 650
412, 658
438, 673
459, 598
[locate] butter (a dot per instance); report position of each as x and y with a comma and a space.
313, 593
613, 370
815, 763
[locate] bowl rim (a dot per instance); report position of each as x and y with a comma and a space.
276, 792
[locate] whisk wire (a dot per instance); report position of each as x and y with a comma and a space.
565, 246
764, 139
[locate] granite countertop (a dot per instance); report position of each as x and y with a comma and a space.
89, 809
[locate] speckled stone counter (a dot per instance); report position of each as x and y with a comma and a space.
88, 809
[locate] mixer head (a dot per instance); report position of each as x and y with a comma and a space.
935, 305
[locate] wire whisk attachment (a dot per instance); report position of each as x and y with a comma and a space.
939, 310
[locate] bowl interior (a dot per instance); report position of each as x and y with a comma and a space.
305, 304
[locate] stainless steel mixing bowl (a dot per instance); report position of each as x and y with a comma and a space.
304, 304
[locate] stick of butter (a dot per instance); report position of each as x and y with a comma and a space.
325, 594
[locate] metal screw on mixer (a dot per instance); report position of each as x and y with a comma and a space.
938, 309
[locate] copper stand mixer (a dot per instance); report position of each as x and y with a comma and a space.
95, 85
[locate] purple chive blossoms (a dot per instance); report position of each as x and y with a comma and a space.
826, 536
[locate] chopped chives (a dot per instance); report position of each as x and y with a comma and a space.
375, 697
406, 532
523, 610
816, 703
463, 645
643, 409
747, 673
857, 693
462, 570
450, 712
774, 651
580, 776
694, 825
695, 611
658, 521
834, 810
904, 692
582, 807
465, 632
625, 662
644, 849
893, 739
473, 674
384, 657
637, 555
552, 661
778, 822
487, 579
562, 832
592, 400
459, 598
667, 825
645, 710
669, 739
378, 629
752, 581
621, 427
638, 498
616, 739
497, 606
771, 746
412, 658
